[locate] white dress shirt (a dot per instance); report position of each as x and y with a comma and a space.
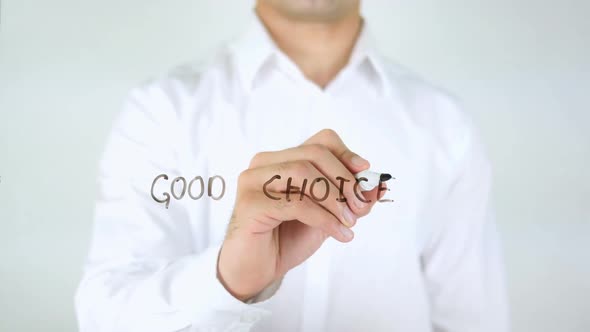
429, 261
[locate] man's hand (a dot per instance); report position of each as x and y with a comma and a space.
266, 238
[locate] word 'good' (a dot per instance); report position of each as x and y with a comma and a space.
178, 191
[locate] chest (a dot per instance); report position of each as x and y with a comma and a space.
373, 128
383, 258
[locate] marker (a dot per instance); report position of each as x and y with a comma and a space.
373, 179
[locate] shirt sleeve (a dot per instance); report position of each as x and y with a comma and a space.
146, 270
462, 261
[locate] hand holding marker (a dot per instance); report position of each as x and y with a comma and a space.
268, 237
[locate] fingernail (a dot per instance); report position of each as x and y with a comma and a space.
349, 217
347, 232
358, 161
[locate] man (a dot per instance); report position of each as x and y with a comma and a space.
250, 258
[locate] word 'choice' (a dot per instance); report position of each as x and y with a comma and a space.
323, 193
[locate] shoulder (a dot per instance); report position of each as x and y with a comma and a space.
438, 115
183, 83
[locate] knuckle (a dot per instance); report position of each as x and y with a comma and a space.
328, 132
244, 202
297, 169
316, 151
257, 159
248, 198
301, 168
243, 177
282, 167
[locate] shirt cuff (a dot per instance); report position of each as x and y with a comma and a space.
197, 291
266, 293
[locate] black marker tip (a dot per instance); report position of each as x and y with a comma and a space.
385, 177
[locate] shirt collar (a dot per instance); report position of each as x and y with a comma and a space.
365, 52
256, 47
251, 51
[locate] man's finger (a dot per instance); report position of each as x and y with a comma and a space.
326, 162
330, 139
308, 180
307, 211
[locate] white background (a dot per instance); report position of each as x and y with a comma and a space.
522, 68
